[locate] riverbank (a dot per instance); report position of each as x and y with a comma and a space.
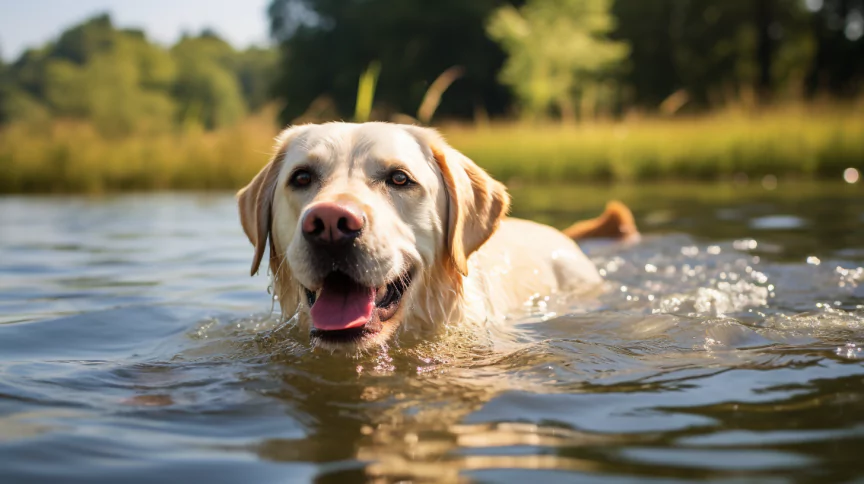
801, 142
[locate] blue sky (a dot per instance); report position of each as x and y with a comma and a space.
28, 23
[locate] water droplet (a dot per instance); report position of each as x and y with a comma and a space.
849, 350
851, 175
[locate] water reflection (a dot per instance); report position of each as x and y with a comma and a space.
717, 352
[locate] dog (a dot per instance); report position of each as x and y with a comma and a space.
374, 228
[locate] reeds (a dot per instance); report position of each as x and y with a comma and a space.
73, 157
803, 142
800, 142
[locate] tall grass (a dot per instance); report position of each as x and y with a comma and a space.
800, 142
366, 92
74, 157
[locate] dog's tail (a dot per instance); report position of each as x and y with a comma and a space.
616, 222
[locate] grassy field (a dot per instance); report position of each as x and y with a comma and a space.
71, 157
793, 142
802, 142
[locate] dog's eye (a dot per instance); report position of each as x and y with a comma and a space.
399, 179
300, 179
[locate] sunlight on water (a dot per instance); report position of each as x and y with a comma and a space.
716, 352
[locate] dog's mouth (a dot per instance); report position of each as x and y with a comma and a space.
345, 311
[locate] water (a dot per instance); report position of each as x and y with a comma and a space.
728, 347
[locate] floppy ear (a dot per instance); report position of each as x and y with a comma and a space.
476, 202
255, 200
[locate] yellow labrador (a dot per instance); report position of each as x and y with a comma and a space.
375, 227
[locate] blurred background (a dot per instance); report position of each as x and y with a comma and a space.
111, 95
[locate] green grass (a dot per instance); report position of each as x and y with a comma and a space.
799, 142
71, 157
794, 142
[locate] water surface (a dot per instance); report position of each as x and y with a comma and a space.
727, 347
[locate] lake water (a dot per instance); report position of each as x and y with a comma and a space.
728, 347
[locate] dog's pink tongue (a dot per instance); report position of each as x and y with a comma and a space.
342, 304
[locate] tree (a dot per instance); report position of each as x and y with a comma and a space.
115, 78
837, 27
255, 69
715, 51
558, 51
124, 84
207, 91
326, 44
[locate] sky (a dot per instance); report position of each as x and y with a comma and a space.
31, 23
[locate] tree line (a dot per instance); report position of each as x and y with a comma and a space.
125, 84
566, 58
561, 59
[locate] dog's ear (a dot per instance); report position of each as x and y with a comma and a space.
255, 200
476, 202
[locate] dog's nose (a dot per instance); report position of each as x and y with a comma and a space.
333, 223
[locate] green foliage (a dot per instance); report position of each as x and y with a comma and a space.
74, 157
121, 89
793, 142
327, 44
20, 106
124, 85
565, 56
715, 50
207, 90
102, 108
558, 50
255, 68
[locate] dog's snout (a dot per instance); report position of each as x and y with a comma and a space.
330, 223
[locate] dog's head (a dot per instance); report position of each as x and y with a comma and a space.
369, 225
